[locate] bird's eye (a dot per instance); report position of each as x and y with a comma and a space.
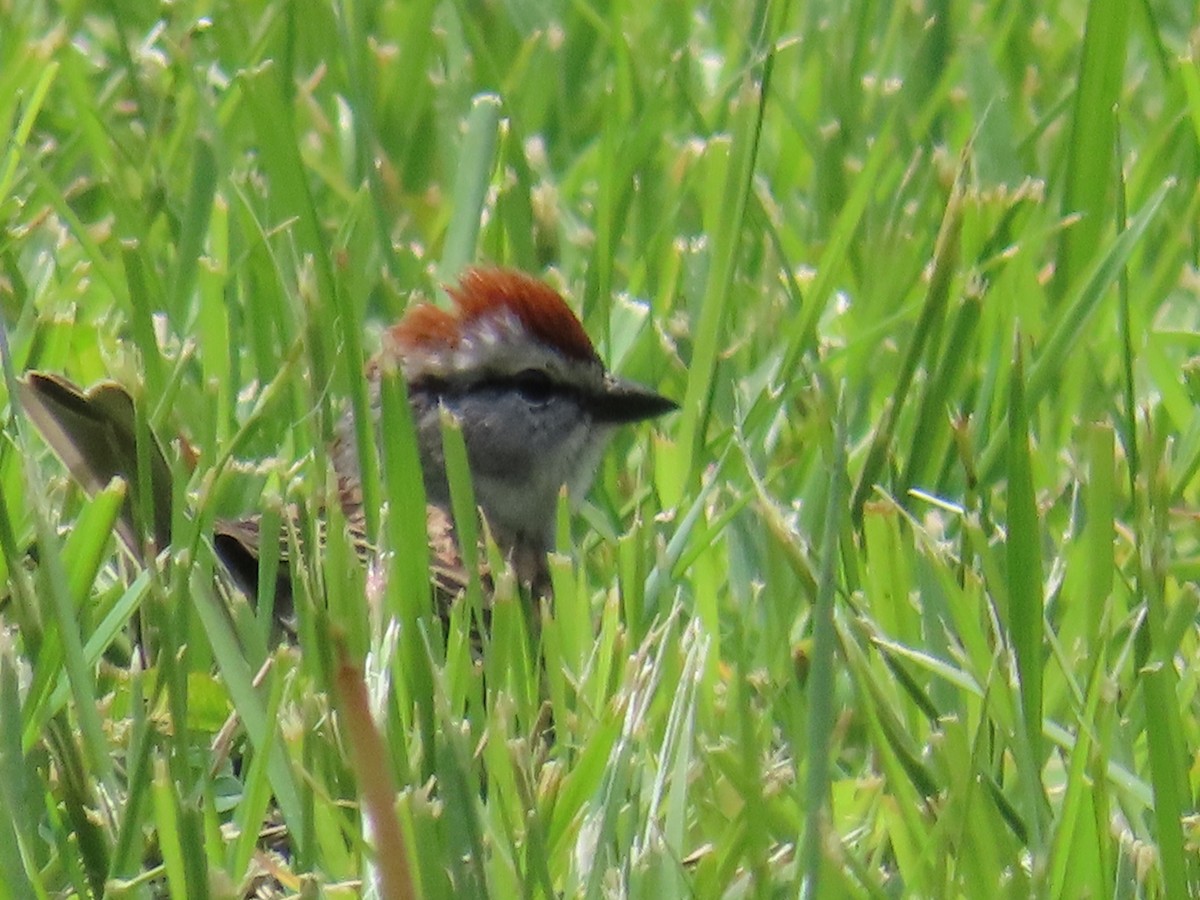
533, 385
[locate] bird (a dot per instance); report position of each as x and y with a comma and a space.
510, 361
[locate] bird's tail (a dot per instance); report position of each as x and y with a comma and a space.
95, 434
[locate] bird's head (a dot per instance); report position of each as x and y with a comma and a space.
537, 407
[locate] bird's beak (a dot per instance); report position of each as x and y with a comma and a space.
620, 402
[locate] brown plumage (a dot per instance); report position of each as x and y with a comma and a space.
511, 361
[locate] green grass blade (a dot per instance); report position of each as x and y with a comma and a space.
472, 178
822, 715
195, 223
1092, 139
19, 134
945, 260
728, 215
1073, 320
18, 792
1025, 598
250, 706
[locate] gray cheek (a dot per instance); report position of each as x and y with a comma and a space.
509, 438
591, 451
521, 455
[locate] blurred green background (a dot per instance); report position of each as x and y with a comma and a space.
902, 602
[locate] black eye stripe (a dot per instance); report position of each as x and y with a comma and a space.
534, 385
617, 402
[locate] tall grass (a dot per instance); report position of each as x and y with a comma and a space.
901, 602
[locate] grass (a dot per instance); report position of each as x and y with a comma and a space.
902, 601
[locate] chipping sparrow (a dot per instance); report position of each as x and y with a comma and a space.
511, 362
